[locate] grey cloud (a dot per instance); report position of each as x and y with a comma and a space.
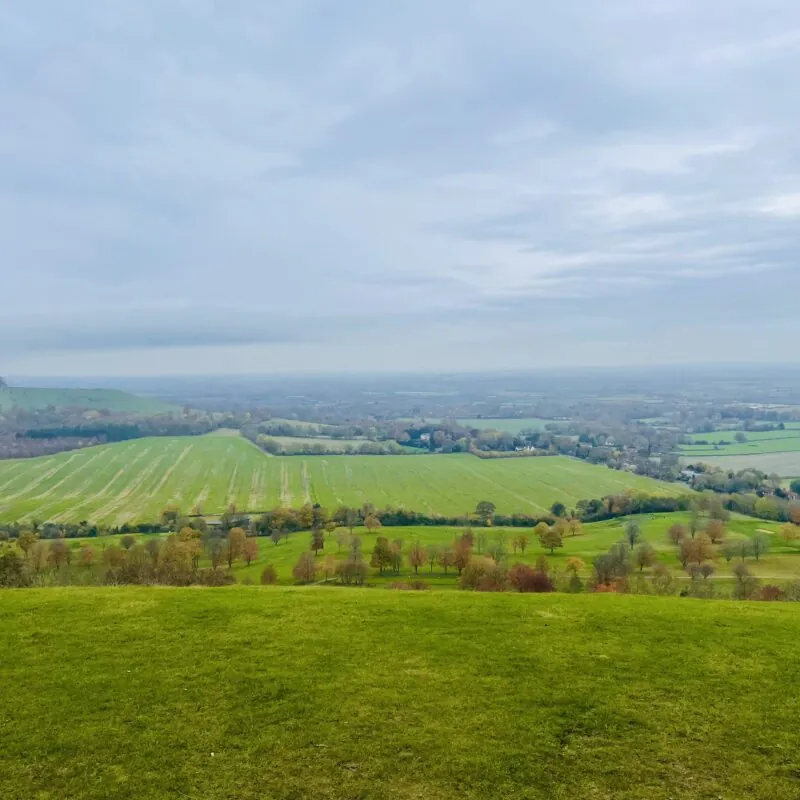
197, 329
309, 175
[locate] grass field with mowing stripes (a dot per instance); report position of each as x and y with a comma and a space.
133, 481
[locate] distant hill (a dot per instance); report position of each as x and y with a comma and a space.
89, 399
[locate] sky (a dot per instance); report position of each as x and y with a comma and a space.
207, 187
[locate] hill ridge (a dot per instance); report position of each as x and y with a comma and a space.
31, 398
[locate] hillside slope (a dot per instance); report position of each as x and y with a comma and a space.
133, 481
32, 399
252, 693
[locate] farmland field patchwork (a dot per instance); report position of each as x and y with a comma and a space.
769, 451
133, 481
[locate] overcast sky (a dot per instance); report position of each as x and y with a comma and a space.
191, 186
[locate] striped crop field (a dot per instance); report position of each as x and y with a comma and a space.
133, 481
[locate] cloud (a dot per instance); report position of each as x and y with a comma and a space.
397, 183
745, 51
786, 205
198, 328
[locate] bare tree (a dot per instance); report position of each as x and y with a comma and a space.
305, 570
417, 556
250, 550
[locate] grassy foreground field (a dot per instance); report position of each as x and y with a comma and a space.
134, 480
288, 693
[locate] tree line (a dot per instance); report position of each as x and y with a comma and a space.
699, 547
482, 561
279, 520
478, 559
174, 560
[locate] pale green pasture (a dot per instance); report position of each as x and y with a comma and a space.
133, 481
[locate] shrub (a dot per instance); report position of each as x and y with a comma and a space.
269, 575
526, 579
471, 576
410, 586
214, 577
770, 592
352, 571
494, 579
663, 581
611, 566
792, 590
575, 585
746, 586
484, 575
12, 572
575, 565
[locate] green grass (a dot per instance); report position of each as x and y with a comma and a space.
786, 465
775, 452
756, 444
151, 693
133, 480
774, 444
90, 399
792, 432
